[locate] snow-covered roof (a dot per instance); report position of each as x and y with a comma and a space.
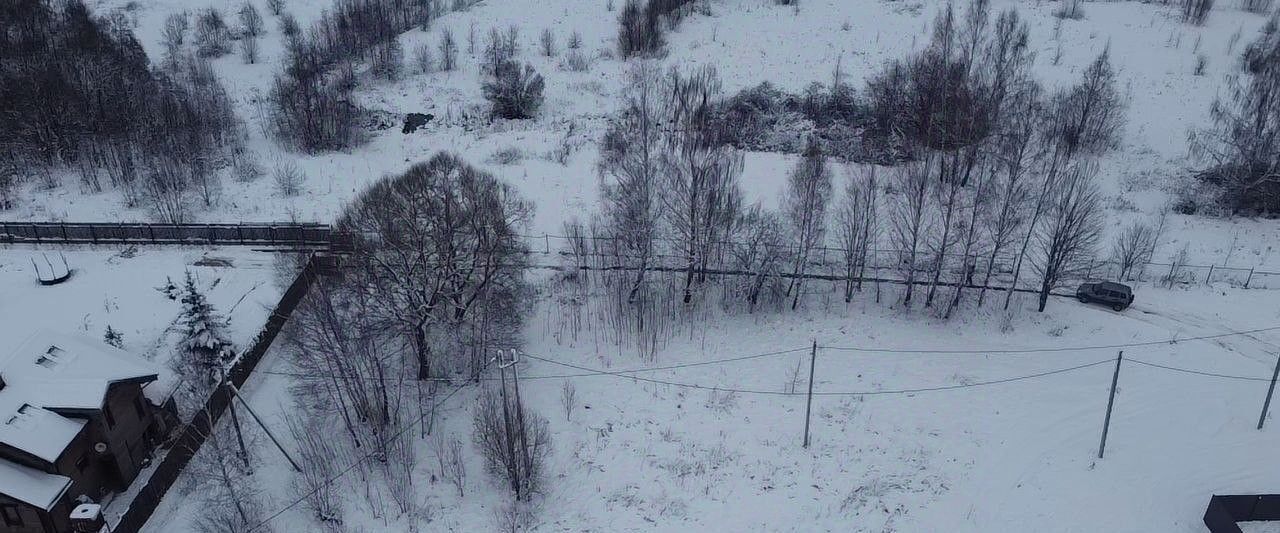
46, 372
32, 486
62, 371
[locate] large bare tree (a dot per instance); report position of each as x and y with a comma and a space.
434, 245
1072, 229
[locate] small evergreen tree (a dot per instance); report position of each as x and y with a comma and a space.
204, 343
169, 289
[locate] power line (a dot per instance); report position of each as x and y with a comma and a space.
1196, 372
842, 393
1052, 349
562, 376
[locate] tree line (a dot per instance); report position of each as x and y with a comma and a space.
77, 93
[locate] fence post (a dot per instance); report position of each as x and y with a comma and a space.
1208, 279
1248, 279
808, 406
1111, 400
547, 239
1270, 390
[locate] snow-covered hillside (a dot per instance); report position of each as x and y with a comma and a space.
748, 41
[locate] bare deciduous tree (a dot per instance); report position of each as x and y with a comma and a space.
909, 221
1130, 248
700, 194
1073, 227
630, 171
805, 202
453, 468
435, 245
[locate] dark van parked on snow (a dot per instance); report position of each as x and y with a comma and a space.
1116, 295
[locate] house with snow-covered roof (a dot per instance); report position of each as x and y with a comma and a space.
76, 421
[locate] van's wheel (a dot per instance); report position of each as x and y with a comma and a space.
1083, 299
1118, 307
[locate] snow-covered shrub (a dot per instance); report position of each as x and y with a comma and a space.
568, 398
453, 468
251, 24
113, 337
244, 166
311, 115
249, 49
514, 92
513, 440
639, 31
288, 179
289, 25
576, 61
547, 43
387, 60
507, 156
575, 40
175, 29
1070, 9
212, 37
276, 7
423, 59
1196, 11
448, 51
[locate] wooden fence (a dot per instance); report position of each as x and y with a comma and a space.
301, 235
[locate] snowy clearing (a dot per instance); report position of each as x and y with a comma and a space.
1018, 456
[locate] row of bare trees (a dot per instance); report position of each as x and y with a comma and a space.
998, 167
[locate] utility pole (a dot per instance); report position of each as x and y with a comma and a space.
1111, 400
506, 424
265, 429
235, 420
520, 427
1270, 390
808, 406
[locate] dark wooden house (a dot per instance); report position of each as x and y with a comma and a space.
76, 423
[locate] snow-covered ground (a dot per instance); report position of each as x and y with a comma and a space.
641, 455
115, 286
1016, 456
749, 41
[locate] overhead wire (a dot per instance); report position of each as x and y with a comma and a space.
1051, 349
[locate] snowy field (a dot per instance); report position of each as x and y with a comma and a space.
647, 454
749, 41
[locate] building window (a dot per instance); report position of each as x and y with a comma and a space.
137, 404
111, 420
82, 463
11, 515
